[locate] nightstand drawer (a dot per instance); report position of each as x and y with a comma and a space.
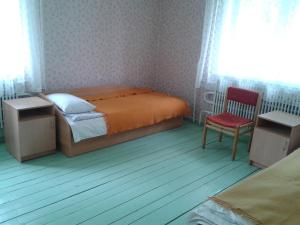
268, 147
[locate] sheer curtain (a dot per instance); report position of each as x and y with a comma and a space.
252, 44
21, 55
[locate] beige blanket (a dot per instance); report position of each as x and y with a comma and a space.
271, 197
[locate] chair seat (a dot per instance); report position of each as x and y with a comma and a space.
228, 120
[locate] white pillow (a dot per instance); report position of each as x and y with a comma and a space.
70, 103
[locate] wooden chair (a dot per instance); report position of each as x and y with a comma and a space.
230, 123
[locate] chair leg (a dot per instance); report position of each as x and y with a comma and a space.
235, 142
220, 136
250, 141
204, 133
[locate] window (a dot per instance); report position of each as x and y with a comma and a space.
21, 54
12, 45
260, 40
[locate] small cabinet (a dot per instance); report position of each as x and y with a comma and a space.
29, 127
275, 136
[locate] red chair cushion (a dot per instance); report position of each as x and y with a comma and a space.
242, 95
228, 120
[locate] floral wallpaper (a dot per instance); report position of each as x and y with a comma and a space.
154, 43
179, 39
95, 42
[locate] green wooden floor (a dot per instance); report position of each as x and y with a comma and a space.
153, 180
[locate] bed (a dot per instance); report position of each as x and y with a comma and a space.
129, 113
270, 197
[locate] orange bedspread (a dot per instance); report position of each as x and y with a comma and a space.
130, 108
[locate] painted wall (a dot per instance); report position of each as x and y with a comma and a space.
95, 42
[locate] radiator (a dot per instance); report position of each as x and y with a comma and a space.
289, 103
10, 97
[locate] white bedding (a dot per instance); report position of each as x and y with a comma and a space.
84, 129
211, 213
83, 116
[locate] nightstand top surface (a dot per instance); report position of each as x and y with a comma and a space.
281, 118
28, 103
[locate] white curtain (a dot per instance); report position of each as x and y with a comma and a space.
252, 44
21, 55
211, 26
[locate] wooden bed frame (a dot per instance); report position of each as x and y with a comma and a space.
65, 141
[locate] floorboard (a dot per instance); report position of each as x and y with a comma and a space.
157, 179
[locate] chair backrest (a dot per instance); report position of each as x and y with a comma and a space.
243, 96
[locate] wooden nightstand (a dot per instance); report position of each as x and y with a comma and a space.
29, 127
275, 136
